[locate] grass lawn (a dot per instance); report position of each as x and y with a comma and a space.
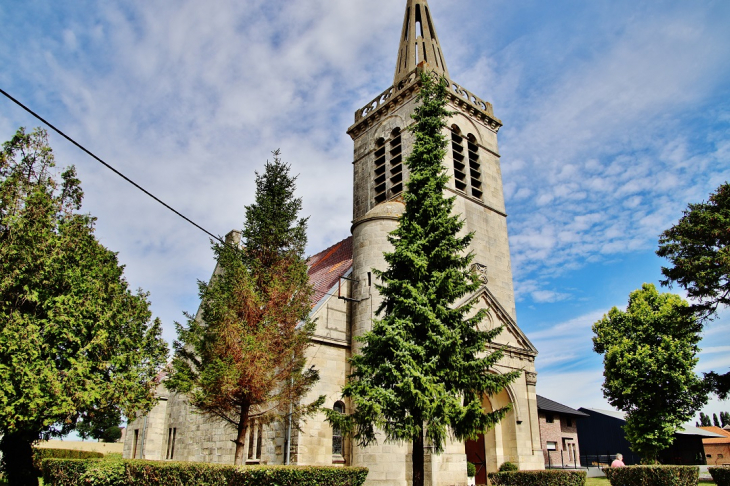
605, 482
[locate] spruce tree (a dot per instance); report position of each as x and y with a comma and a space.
243, 359
425, 366
715, 422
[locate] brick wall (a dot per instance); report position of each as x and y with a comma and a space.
563, 433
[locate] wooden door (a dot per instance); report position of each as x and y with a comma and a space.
476, 454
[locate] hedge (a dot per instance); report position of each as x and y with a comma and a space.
653, 475
69, 472
721, 475
40, 454
550, 477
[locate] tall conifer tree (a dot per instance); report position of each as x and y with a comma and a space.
425, 366
244, 357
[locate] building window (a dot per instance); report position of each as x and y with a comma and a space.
549, 418
475, 167
552, 446
457, 147
467, 166
337, 440
388, 167
380, 176
569, 422
720, 456
134, 447
171, 434
396, 163
255, 441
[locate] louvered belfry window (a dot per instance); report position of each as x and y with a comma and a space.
388, 167
467, 165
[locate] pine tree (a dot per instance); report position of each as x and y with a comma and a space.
425, 366
715, 422
244, 358
724, 418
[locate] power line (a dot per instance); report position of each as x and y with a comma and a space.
88, 152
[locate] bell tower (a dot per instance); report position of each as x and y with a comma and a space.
382, 143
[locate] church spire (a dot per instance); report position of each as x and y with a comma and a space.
418, 42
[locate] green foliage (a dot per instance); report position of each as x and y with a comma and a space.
471, 470
721, 475
653, 475
548, 477
149, 473
697, 247
649, 355
40, 454
705, 420
508, 466
243, 356
74, 341
715, 421
101, 426
424, 367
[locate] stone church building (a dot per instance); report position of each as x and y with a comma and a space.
346, 297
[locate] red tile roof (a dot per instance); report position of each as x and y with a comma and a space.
718, 431
326, 267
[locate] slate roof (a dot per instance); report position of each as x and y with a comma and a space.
718, 431
547, 405
687, 429
327, 266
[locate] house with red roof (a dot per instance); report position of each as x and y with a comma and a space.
717, 449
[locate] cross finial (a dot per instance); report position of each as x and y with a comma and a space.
418, 42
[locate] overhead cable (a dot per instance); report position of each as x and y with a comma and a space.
88, 152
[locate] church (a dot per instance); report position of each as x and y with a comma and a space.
345, 297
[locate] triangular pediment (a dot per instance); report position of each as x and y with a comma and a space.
511, 336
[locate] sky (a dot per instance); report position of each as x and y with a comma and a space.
616, 116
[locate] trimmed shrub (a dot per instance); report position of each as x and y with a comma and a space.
40, 454
471, 470
653, 475
68, 472
550, 477
721, 475
508, 466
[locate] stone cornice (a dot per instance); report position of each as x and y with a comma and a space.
338, 343
395, 96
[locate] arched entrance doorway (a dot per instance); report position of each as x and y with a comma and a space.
499, 444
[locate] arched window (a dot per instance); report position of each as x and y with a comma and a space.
337, 440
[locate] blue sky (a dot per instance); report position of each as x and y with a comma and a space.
616, 116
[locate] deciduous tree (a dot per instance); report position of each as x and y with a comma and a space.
425, 366
243, 357
74, 341
649, 355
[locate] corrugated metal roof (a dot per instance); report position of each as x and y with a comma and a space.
687, 429
547, 405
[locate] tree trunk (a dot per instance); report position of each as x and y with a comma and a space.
17, 449
241, 437
418, 476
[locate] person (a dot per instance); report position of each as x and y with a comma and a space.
619, 461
